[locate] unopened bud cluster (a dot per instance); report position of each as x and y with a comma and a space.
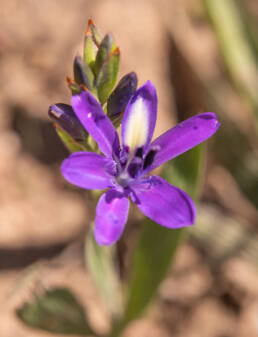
96, 71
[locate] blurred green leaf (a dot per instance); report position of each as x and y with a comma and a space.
101, 263
250, 24
186, 171
154, 252
157, 245
238, 53
56, 311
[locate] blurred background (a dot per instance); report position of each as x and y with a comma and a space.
202, 55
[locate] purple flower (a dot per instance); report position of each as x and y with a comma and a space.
124, 170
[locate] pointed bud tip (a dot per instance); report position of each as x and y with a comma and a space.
133, 75
68, 80
116, 51
83, 87
54, 112
88, 30
90, 22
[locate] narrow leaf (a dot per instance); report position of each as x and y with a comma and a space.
157, 245
238, 54
56, 311
101, 263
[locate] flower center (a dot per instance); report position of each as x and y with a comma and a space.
123, 179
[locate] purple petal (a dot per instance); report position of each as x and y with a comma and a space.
165, 204
183, 137
95, 121
140, 118
87, 170
111, 217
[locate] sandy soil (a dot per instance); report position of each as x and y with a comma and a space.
43, 220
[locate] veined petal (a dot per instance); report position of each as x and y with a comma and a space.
165, 204
87, 170
183, 137
140, 118
95, 121
111, 217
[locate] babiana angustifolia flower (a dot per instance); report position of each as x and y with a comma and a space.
123, 169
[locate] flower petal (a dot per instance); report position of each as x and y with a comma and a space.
183, 137
111, 217
140, 117
95, 121
87, 170
165, 204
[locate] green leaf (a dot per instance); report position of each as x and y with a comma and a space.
155, 250
157, 245
186, 171
101, 263
56, 311
107, 76
235, 46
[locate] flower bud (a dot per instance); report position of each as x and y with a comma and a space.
95, 33
107, 76
74, 87
119, 98
92, 42
107, 46
64, 116
82, 73
89, 51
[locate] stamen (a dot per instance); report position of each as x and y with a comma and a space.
139, 152
134, 167
150, 157
124, 154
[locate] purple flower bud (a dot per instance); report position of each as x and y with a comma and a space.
82, 73
64, 116
121, 95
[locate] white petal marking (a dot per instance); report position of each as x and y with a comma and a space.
137, 125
